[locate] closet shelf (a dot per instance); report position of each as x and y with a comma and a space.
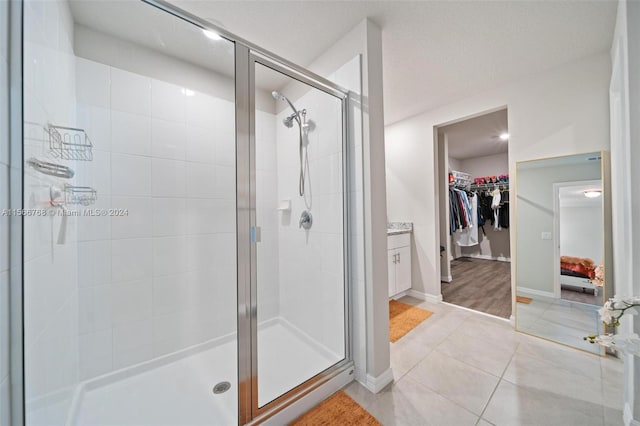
504, 186
459, 179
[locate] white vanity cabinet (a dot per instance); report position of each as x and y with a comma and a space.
399, 263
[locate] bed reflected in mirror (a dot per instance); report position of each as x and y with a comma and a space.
561, 248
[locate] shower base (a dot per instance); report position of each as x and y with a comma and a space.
180, 391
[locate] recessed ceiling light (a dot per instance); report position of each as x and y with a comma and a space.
595, 193
212, 35
188, 92
504, 136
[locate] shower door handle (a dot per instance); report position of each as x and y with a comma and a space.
256, 234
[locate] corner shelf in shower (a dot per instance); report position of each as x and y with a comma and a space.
69, 143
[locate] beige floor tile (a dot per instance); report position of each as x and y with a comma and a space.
612, 417
490, 355
409, 403
483, 422
486, 328
545, 376
360, 394
432, 331
513, 405
613, 390
561, 356
467, 386
407, 354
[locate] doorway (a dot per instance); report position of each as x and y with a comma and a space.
473, 164
579, 245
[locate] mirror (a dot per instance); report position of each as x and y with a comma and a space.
561, 239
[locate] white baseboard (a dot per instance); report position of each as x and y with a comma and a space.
376, 384
446, 278
361, 375
400, 295
534, 292
627, 416
487, 257
512, 321
431, 298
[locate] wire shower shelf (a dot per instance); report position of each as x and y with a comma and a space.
69, 143
80, 195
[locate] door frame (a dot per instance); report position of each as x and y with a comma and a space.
557, 290
249, 409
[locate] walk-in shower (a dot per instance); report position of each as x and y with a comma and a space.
166, 281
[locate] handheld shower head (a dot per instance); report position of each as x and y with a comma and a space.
277, 96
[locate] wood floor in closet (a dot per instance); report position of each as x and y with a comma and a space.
481, 285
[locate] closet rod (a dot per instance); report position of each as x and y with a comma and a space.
483, 186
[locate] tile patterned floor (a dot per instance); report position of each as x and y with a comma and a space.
560, 320
460, 368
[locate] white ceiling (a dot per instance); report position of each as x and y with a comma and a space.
434, 52
573, 196
152, 28
477, 137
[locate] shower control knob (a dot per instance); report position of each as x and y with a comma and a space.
306, 220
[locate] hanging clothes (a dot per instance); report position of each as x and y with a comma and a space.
469, 236
460, 213
454, 211
484, 200
503, 219
495, 206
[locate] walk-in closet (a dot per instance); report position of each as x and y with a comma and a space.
474, 213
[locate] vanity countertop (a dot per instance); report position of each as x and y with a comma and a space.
395, 228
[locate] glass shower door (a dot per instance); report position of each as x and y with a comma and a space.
298, 243
130, 284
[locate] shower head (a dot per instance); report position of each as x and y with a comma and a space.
288, 121
280, 97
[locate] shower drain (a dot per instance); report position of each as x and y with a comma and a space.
221, 387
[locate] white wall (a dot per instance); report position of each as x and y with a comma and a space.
50, 270
581, 232
558, 112
488, 165
454, 164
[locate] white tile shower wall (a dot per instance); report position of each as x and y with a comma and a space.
311, 262
50, 269
268, 217
162, 277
